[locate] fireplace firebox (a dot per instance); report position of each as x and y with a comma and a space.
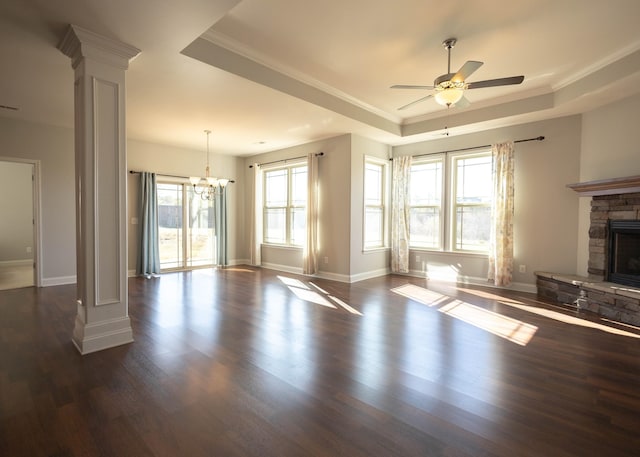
624, 252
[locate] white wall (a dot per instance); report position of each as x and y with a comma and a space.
546, 211
16, 207
53, 147
609, 150
334, 169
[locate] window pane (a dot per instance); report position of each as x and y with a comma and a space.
299, 186
298, 226
200, 232
275, 188
426, 184
424, 227
473, 228
473, 180
373, 223
170, 225
275, 225
373, 174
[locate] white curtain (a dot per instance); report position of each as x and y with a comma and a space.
501, 242
400, 214
256, 217
310, 252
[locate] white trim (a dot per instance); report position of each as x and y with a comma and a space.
58, 281
37, 210
16, 263
285, 268
474, 281
370, 274
88, 338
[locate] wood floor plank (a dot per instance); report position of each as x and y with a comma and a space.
252, 362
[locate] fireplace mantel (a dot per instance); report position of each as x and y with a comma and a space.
611, 186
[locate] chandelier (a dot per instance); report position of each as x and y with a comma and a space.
208, 186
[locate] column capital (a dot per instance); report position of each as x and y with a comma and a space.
79, 43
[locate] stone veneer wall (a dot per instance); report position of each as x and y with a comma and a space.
613, 301
603, 208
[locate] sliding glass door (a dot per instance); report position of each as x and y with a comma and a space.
186, 228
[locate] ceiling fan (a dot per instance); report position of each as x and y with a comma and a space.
449, 88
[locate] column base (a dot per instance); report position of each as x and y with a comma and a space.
89, 338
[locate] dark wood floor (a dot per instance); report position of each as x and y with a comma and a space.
239, 362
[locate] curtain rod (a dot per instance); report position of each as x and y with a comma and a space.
538, 138
318, 154
133, 172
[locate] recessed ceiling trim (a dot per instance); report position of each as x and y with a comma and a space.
227, 60
243, 50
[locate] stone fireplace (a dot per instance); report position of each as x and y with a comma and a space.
612, 288
614, 220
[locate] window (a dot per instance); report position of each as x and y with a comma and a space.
185, 227
472, 197
375, 180
425, 204
285, 205
468, 202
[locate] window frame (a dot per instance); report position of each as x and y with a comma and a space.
185, 262
452, 198
288, 208
449, 205
441, 158
383, 205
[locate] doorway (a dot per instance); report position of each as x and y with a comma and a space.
18, 246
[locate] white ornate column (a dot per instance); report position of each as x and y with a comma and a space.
99, 63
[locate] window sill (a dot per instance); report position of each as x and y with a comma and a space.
374, 250
282, 246
451, 253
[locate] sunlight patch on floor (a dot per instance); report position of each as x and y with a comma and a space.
489, 295
420, 294
311, 296
318, 296
345, 306
505, 327
570, 319
293, 282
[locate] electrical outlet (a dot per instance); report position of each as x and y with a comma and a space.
522, 269
417, 258
29, 249
326, 260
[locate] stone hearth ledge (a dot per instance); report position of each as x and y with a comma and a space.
589, 284
613, 301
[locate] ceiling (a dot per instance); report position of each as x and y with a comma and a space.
268, 74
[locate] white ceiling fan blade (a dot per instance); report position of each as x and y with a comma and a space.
466, 70
463, 102
414, 102
408, 86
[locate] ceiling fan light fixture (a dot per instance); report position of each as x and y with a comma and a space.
449, 96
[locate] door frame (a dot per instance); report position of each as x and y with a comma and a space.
35, 192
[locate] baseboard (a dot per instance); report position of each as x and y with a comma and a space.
333, 276
59, 281
329, 275
283, 268
89, 338
370, 274
473, 281
16, 263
